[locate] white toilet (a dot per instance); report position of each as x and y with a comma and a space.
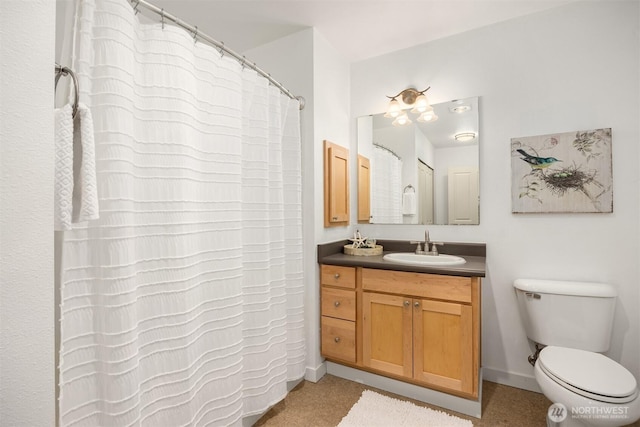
573, 321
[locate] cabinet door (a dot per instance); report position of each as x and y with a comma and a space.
386, 333
364, 190
336, 185
443, 344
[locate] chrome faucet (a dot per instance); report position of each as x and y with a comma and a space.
434, 245
426, 242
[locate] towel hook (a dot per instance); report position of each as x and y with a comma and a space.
64, 71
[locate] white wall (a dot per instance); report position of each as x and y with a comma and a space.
27, 367
331, 121
566, 69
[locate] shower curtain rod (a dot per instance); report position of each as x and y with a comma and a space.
197, 34
385, 148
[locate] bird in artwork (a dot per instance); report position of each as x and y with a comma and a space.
537, 162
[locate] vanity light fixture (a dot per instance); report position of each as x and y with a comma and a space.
464, 136
410, 98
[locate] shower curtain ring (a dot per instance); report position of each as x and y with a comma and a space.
244, 62
162, 17
195, 35
135, 8
221, 49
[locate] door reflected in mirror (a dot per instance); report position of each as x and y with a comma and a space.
421, 173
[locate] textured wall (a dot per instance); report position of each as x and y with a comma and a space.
26, 213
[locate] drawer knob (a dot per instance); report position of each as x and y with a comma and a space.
337, 339
407, 303
337, 275
337, 303
416, 304
335, 218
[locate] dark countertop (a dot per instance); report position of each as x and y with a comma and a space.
473, 253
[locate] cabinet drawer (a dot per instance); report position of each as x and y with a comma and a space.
335, 275
338, 339
451, 288
339, 303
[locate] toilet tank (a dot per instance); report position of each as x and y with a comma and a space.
567, 314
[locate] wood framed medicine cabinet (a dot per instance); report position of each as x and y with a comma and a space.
336, 185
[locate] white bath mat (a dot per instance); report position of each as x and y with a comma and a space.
374, 409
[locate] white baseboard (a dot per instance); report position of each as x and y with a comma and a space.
524, 382
314, 374
472, 408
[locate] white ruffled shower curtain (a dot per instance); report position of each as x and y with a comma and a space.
183, 303
386, 199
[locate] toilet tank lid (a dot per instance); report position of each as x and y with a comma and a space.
560, 287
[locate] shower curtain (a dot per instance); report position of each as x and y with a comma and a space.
183, 303
386, 199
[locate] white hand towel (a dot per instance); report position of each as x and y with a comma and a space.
409, 203
85, 188
63, 167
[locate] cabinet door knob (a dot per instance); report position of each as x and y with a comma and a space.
337, 303
337, 339
416, 304
337, 275
407, 303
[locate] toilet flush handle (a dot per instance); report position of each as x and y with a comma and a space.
532, 295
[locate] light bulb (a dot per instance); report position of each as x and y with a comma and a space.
401, 120
393, 110
421, 105
428, 116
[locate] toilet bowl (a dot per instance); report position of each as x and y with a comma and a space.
595, 390
571, 322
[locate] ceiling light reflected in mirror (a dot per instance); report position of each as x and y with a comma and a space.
465, 136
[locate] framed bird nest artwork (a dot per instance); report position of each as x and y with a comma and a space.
563, 172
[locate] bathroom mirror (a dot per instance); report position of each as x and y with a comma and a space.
422, 173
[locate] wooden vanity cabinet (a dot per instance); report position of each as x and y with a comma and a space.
338, 310
424, 327
418, 327
336, 185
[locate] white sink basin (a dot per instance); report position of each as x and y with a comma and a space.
425, 260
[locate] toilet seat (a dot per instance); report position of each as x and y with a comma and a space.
588, 374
